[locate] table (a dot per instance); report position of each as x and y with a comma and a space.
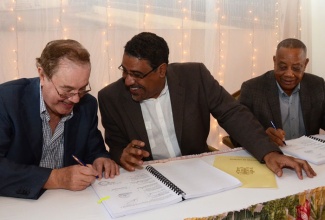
64, 204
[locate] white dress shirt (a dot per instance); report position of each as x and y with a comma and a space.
158, 118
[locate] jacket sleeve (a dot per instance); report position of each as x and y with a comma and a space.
95, 143
236, 119
115, 138
16, 179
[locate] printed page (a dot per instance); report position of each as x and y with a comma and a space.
132, 192
196, 177
248, 170
306, 148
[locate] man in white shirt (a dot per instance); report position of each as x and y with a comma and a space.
159, 110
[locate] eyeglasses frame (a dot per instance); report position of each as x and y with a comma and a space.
137, 77
71, 94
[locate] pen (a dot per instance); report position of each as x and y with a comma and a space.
137, 147
80, 162
275, 129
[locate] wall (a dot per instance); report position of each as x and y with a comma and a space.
313, 34
318, 37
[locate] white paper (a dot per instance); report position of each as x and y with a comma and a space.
137, 191
306, 148
132, 192
197, 178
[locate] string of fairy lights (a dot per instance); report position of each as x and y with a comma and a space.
185, 29
147, 22
107, 41
277, 22
255, 20
14, 31
220, 23
299, 20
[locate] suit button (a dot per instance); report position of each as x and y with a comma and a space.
23, 191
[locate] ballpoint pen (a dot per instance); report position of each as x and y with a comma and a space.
80, 162
275, 129
137, 147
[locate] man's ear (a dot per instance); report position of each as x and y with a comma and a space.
306, 62
274, 61
41, 75
162, 70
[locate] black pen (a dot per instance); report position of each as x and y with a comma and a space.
81, 163
275, 129
137, 147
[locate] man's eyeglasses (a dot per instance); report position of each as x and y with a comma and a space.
135, 74
66, 95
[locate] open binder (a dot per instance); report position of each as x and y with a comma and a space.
161, 184
165, 181
310, 148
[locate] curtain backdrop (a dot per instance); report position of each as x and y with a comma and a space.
235, 39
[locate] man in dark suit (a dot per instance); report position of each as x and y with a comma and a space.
158, 111
46, 120
292, 99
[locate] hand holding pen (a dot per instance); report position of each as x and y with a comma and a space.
276, 134
81, 163
132, 156
73, 178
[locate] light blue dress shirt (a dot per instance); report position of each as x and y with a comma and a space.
291, 113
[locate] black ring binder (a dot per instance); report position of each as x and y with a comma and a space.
164, 180
317, 139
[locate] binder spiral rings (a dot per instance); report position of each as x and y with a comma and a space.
164, 180
317, 139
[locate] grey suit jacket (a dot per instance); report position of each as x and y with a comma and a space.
21, 138
194, 95
260, 95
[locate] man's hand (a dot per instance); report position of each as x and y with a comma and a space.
276, 135
132, 155
276, 162
73, 178
106, 165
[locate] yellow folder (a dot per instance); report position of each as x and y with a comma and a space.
248, 170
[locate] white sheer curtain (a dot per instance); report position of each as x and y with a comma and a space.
235, 39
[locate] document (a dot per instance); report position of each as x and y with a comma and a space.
161, 184
248, 170
310, 148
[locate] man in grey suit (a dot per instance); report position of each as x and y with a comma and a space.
159, 110
47, 119
293, 100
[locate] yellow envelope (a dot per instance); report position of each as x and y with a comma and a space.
248, 170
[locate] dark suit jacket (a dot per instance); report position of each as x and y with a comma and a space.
194, 94
21, 138
260, 95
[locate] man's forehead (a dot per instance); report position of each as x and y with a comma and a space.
131, 62
291, 53
287, 51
